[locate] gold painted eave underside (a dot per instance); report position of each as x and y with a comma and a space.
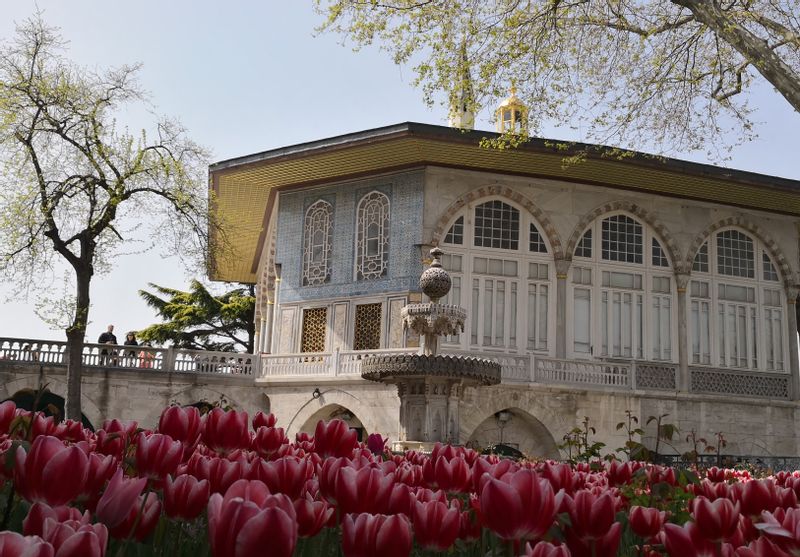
243, 192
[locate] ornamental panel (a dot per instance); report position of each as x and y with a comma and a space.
721, 382
367, 333
372, 237
315, 322
318, 239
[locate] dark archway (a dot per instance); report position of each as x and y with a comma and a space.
44, 401
335, 411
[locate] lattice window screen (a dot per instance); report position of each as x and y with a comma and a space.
372, 244
367, 335
315, 322
318, 232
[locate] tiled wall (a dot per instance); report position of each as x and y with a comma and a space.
405, 193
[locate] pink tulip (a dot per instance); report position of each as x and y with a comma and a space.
311, 516
452, 475
591, 516
185, 497
221, 473
73, 539
268, 440
248, 519
286, 475
182, 423
40, 475
717, 520
15, 545
157, 455
689, 542
366, 535
119, 499
436, 526
263, 420
334, 438
224, 432
101, 468
8, 411
517, 506
33, 525
366, 490
646, 522
544, 549
376, 443
141, 519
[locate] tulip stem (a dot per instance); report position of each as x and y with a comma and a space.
123, 550
9, 505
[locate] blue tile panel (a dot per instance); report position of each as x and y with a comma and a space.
405, 206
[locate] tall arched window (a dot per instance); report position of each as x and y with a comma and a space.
372, 237
500, 263
622, 293
318, 238
736, 305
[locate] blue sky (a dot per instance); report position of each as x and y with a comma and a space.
245, 76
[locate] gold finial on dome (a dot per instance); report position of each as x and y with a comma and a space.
512, 114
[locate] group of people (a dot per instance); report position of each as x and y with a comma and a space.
145, 357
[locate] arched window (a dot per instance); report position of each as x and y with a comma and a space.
621, 293
736, 305
318, 238
372, 237
500, 264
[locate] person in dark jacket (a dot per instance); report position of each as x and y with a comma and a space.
107, 338
130, 340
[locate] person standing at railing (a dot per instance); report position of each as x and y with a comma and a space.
107, 337
130, 355
146, 357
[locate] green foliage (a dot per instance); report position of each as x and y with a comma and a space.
633, 449
579, 445
673, 75
199, 320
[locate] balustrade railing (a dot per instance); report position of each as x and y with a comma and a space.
31, 351
597, 374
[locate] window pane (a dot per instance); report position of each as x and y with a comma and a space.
701, 259
584, 247
536, 241
659, 257
456, 233
735, 254
318, 231
622, 239
769, 269
372, 237
496, 225
581, 321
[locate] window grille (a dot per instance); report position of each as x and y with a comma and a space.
700, 263
372, 244
735, 254
314, 325
536, 241
622, 239
584, 247
659, 257
318, 232
456, 233
367, 334
496, 225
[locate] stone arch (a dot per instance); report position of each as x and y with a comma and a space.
333, 398
335, 411
744, 223
667, 240
521, 428
548, 228
47, 399
58, 387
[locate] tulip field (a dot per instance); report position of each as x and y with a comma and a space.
219, 485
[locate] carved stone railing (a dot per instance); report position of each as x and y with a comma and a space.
579, 372
53, 353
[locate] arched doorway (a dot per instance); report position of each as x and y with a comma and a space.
332, 412
44, 401
518, 429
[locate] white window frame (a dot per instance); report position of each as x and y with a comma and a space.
523, 257
384, 239
647, 271
308, 238
714, 279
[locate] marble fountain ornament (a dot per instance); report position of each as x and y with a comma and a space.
430, 385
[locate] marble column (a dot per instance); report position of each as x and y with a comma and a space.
562, 270
682, 381
791, 314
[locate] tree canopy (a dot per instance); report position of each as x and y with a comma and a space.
199, 320
72, 179
672, 75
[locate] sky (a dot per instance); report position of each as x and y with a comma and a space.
247, 76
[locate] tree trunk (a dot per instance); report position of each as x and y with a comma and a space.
753, 48
76, 334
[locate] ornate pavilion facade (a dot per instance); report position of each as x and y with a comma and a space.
641, 283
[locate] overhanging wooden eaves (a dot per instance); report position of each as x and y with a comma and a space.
245, 187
